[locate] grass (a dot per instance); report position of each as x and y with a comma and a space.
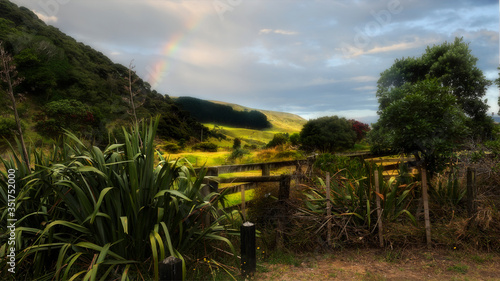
235, 198
283, 257
459, 268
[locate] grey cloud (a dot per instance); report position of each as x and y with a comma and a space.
282, 54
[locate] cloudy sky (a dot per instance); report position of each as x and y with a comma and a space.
309, 57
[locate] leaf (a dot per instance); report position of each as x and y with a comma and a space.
124, 221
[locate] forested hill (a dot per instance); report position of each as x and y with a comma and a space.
220, 114
69, 84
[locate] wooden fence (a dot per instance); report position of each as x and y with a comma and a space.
249, 183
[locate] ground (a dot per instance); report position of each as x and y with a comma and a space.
378, 264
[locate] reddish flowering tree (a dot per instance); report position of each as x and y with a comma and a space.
360, 128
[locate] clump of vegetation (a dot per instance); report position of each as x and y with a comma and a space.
205, 147
115, 213
327, 134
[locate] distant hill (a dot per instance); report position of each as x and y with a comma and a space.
280, 121
218, 112
69, 84
209, 112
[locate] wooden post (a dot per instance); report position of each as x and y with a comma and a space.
266, 170
328, 211
471, 191
248, 249
425, 198
170, 269
243, 203
284, 190
379, 210
283, 195
212, 186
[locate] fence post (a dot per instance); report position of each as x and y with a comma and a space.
170, 269
471, 191
284, 190
243, 202
266, 170
379, 209
212, 186
283, 195
425, 198
248, 250
328, 211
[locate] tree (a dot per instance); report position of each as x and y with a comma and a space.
236, 143
8, 75
360, 128
278, 139
423, 119
327, 134
295, 139
453, 66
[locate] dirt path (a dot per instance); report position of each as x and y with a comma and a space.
376, 264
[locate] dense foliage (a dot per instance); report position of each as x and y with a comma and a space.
453, 66
327, 134
430, 105
209, 112
56, 68
424, 120
360, 128
90, 214
278, 139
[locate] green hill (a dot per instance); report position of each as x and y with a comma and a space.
281, 122
210, 112
68, 84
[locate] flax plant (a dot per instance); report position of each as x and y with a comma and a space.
353, 196
93, 214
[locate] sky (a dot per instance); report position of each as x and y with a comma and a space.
312, 58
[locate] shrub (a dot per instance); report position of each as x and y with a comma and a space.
278, 139
236, 143
8, 127
238, 154
205, 147
171, 147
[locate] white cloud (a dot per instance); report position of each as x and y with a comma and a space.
364, 78
277, 31
45, 18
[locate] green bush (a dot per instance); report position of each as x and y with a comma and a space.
278, 139
171, 147
8, 127
206, 147
238, 154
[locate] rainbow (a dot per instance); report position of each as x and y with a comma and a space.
169, 50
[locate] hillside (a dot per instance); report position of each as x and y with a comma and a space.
280, 121
68, 84
209, 112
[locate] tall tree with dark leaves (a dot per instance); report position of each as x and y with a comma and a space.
453, 66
